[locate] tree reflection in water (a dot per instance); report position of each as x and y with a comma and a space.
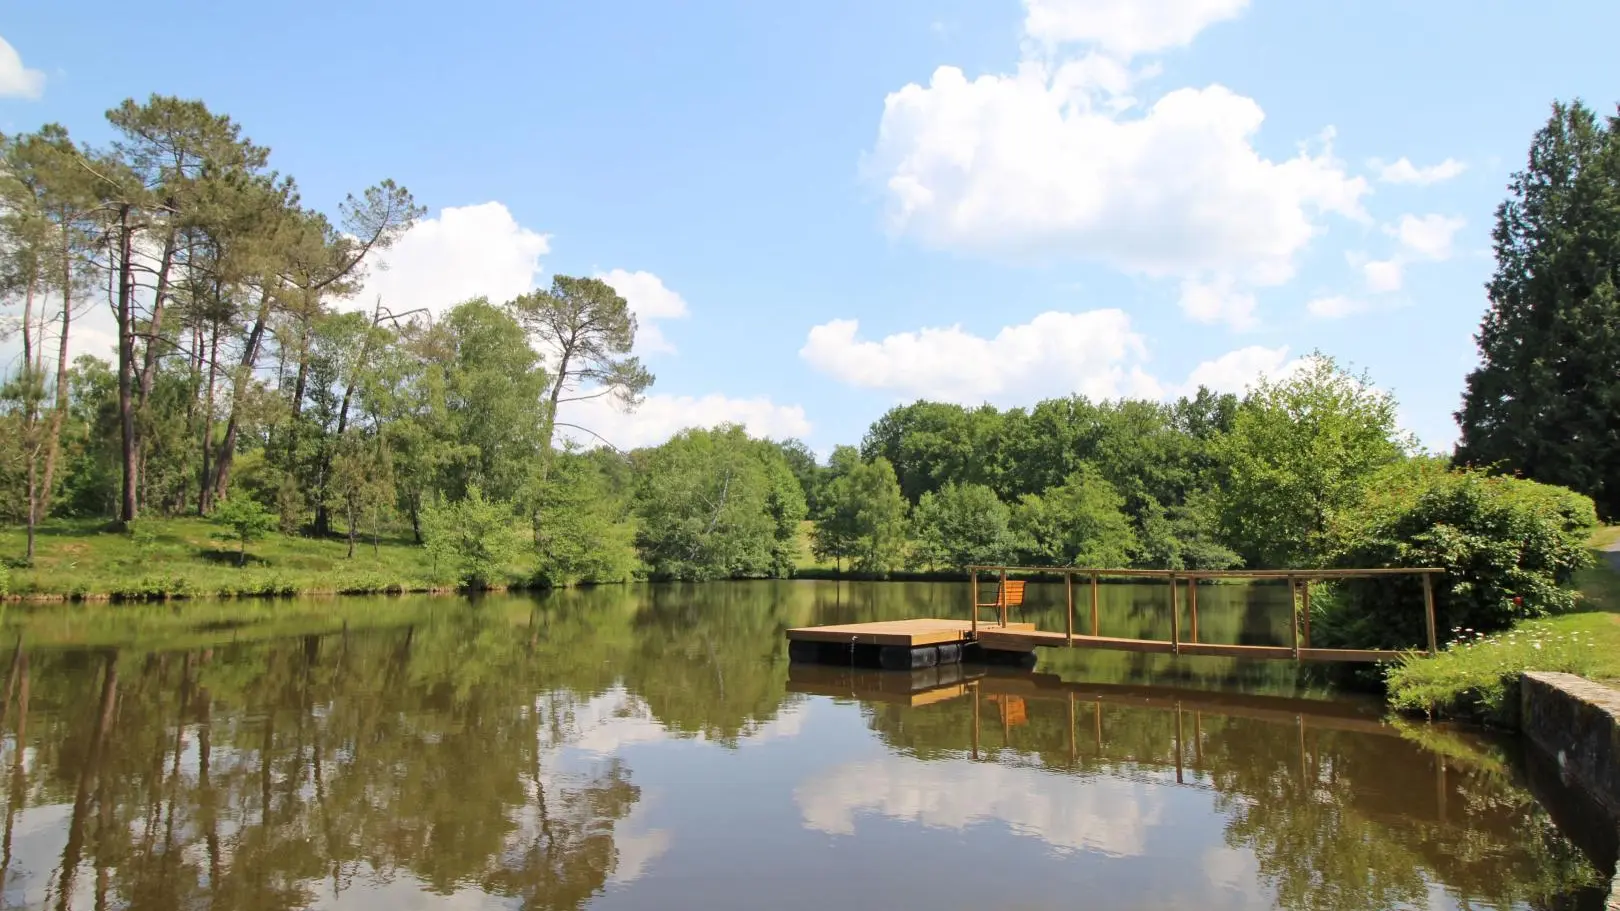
477, 750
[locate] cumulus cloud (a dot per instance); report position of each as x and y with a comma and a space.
17, 80
1427, 237
1218, 301
464, 252
1236, 371
1383, 275
1404, 171
649, 300
1026, 164
1095, 353
661, 416
1335, 306
1125, 28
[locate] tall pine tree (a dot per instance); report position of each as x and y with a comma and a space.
1545, 402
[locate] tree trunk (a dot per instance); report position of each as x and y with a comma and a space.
204, 502
244, 375
53, 444
126, 363
351, 533
150, 356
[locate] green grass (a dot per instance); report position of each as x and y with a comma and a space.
169, 558
1477, 676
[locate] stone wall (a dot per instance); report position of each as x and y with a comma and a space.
1577, 724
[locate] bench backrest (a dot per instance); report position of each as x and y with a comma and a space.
1013, 594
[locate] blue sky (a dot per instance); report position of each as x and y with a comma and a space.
823, 209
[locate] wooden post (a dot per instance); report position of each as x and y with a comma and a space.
1293, 616
1094, 626
1068, 591
1305, 611
1175, 616
1001, 598
973, 599
1096, 724
1428, 609
1192, 604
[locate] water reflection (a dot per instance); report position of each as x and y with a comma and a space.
652, 748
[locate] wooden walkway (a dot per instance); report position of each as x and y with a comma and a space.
1003, 635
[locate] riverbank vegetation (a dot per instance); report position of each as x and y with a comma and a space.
260, 431
1476, 676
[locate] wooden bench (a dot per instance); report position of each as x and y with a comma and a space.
1009, 593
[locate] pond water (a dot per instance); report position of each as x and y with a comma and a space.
650, 747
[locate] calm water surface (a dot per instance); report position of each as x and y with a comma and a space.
652, 748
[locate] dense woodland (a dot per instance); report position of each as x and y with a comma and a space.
250, 385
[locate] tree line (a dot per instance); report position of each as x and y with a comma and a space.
250, 385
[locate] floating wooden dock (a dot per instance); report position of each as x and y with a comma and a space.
922, 643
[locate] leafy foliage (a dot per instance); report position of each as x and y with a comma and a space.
1509, 547
1299, 452
247, 520
474, 538
1081, 522
713, 504
960, 525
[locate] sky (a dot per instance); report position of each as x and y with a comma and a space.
821, 210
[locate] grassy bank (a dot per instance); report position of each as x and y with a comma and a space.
176, 558
1477, 677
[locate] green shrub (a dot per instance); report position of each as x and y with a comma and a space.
5, 580
473, 538
1509, 548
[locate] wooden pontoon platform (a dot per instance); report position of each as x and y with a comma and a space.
921, 643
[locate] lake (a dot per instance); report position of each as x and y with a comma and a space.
651, 747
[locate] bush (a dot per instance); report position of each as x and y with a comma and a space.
473, 538
1509, 548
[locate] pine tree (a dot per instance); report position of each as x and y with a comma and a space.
1545, 402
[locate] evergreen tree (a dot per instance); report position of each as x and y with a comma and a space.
1545, 402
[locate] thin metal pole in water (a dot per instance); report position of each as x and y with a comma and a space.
1293, 615
973, 599
1068, 591
1094, 626
1175, 617
1428, 609
1179, 749
1074, 752
975, 718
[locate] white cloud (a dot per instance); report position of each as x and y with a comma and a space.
1335, 307
1094, 353
1427, 236
1235, 371
649, 300
1125, 28
16, 80
1404, 171
1382, 275
661, 416
1218, 301
1044, 163
465, 252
